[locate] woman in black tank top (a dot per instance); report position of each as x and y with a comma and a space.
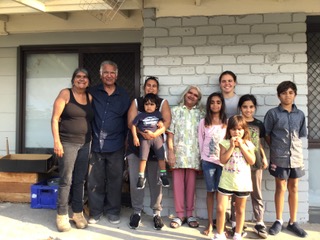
71, 129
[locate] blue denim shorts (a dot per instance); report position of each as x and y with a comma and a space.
211, 173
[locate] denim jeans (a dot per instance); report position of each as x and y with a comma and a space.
211, 174
73, 169
105, 183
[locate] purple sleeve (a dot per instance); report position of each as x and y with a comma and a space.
136, 120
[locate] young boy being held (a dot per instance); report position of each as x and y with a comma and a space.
285, 126
149, 121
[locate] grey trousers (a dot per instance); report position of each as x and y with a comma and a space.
152, 175
256, 195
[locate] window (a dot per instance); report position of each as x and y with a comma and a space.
45, 70
313, 53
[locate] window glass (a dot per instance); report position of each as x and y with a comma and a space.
46, 74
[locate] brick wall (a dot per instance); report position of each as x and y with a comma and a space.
262, 49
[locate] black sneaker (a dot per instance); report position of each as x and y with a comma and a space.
295, 228
158, 223
164, 181
275, 228
135, 220
141, 183
261, 230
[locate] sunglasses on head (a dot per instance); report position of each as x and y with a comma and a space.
151, 77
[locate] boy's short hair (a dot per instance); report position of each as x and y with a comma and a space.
285, 85
150, 97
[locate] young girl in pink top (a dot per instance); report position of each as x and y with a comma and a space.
212, 129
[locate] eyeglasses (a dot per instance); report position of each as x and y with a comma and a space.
151, 77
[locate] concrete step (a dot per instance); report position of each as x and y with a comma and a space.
314, 214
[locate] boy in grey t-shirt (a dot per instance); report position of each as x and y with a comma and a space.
285, 126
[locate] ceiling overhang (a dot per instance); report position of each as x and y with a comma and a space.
20, 16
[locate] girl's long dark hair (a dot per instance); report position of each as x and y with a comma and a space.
209, 115
247, 97
238, 121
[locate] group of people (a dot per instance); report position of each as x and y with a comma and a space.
96, 128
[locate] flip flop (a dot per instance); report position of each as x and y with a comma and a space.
193, 222
176, 222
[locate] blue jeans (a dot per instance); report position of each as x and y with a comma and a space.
211, 173
73, 169
105, 183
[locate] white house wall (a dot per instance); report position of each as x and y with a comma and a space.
8, 72
262, 49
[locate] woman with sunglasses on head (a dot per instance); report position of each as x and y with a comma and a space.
151, 85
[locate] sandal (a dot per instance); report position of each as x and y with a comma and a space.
193, 222
177, 222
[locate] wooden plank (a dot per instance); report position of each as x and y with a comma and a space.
13, 187
22, 177
15, 197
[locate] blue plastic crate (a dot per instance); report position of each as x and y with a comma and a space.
44, 196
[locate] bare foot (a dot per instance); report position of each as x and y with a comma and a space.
208, 230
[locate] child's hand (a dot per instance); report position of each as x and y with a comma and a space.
160, 124
136, 141
237, 141
265, 163
233, 141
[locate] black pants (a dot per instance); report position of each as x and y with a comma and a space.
105, 183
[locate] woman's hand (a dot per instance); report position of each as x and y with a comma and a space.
58, 149
171, 158
147, 134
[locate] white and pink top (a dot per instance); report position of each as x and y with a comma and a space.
209, 139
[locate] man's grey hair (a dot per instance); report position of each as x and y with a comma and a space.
108, 62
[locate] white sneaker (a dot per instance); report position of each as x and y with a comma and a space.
94, 220
221, 236
237, 237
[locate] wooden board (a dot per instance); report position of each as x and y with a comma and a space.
14, 187
22, 177
15, 197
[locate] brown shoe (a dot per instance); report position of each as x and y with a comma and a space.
63, 224
80, 220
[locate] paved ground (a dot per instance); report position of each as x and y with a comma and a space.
20, 222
